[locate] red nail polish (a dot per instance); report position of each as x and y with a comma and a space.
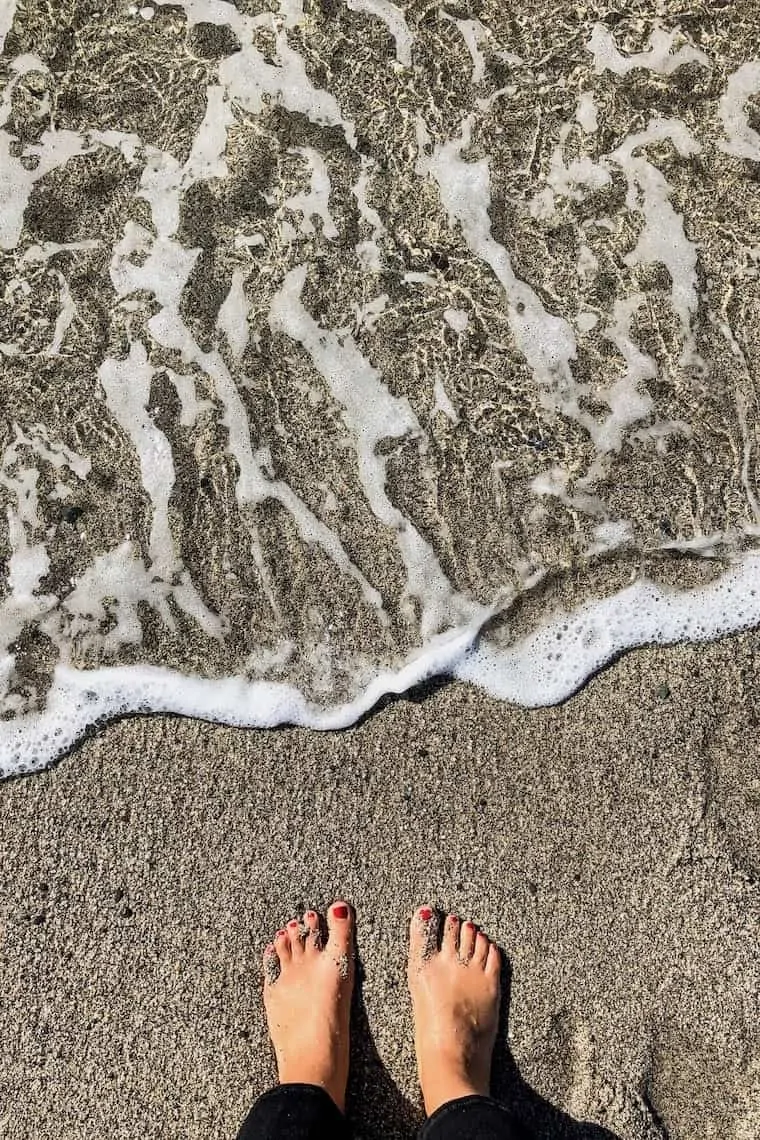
426, 913
281, 933
311, 915
453, 919
340, 912
470, 925
293, 924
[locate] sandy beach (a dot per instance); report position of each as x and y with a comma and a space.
610, 845
328, 331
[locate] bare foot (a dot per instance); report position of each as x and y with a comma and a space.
455, 994
307, 997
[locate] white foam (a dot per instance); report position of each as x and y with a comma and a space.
233, 316
442, 402
371, 414
659, 58
543, 668
742, 140
552, 663
394, 19
127, 387
54, 149
586, 113
317, 199
473, 33
458, 319
7, 13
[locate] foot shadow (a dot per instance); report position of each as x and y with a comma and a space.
540, 1118
377, 1110
375, 1107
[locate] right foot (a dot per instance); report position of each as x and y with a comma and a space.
455, 994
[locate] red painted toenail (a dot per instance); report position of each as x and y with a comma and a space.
281, 933
340, 912
425, 913
311, 915
470, 925
453, 919
293, 924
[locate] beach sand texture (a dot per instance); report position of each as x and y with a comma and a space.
333, 335
609, 845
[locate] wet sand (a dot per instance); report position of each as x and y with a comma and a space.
610, 845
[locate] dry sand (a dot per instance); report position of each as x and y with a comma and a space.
610, 845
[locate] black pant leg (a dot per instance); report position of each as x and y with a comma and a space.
295, 1112
472, 1118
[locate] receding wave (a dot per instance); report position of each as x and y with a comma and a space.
342, 348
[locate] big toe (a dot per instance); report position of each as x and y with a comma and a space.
340, 930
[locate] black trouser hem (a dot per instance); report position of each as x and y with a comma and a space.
472, 1118
295, 1112
307, 1112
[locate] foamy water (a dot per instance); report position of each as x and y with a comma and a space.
341, 350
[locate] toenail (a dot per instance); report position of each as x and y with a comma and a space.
453, 919
293, 924
340, 912
470, 925
426, 913
311, 915
281, 933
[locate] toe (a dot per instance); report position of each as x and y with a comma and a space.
294, 935
340, 927
271, 964
423, 935
282, 946
450, 942
466, 941
480, 953
493, 961
312, 934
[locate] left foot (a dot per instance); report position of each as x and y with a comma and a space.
307, 998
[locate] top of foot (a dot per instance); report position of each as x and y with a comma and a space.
454, 979
307, 997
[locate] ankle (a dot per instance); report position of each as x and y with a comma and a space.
314, 1075
450, 1081
442, 1090
306, 1078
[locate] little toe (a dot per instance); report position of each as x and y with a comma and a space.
450, 941
423, 935
466, 941
493, 961
480, 953
271, 964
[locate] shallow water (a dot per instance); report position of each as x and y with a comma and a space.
344, 344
